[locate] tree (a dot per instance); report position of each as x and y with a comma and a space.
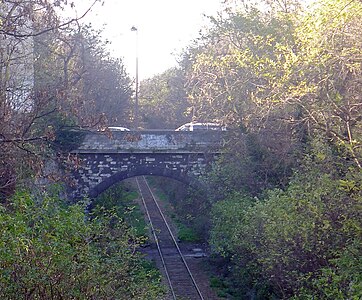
163, 101
290, 81
302, 242
329, 71
273, 69
106, 84
232, 74
48, 84
20, 108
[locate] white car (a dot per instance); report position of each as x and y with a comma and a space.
201, 126
116, 128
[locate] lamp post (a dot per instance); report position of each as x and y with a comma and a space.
136, 99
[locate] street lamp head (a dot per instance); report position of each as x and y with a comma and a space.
133, 28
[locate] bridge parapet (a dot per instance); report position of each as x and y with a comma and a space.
151, 142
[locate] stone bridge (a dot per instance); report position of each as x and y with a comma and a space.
108, 159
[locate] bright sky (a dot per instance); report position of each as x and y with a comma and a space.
165, 27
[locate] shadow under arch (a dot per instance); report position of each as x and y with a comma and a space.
140, 171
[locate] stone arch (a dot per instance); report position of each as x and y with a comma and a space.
138, 171
103, 161
99, 171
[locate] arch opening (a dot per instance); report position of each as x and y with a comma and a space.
138, 171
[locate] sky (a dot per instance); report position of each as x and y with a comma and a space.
164, 28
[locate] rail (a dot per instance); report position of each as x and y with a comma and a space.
177, 282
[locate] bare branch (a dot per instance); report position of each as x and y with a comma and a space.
60, 26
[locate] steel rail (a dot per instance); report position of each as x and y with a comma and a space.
172, 237
156, 240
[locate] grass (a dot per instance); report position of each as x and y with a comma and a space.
185, 232
122, 199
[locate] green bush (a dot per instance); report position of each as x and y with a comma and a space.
122, 200
186, 233
52, 251
304, 242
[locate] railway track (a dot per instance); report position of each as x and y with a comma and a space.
182, 284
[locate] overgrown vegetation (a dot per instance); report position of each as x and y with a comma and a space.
285, 195
121, 198
179, 205
283, 204
304, 242
52, 251
56, 81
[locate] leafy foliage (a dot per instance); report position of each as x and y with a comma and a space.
290, 80
163, 100
251, 164
51, 251
285, 77
232, 76
121, 199
292, 72
106, 84
299, 239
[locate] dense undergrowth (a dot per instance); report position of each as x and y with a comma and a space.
180, 207
50, 250
121, 198
303, 242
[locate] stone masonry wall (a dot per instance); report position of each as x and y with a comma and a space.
150, 142
106, 160
99, 171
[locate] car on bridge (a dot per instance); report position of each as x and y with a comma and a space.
117, 128
201, 126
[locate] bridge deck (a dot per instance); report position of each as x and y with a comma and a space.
151, 142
